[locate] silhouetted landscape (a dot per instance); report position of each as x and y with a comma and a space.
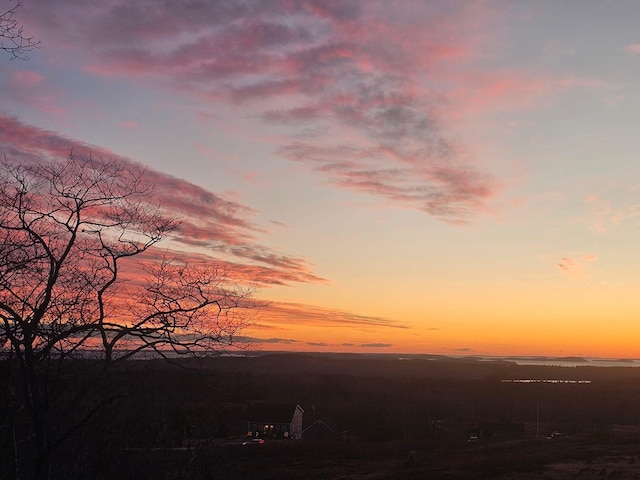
187, 184
380, 417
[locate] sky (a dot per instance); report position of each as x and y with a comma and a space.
456, 178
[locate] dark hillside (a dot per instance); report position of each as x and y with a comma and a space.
151, 419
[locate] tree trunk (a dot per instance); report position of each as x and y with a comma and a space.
43, 452
36, 404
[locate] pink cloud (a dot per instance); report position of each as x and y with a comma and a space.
130, 125
575, 268
383, 80
591, 257
286, 313
32, 89
204, 150
453, 191
216, 225
502, 89
25, 78
507, 90
632, 49
262, 273
605, 215
340, 64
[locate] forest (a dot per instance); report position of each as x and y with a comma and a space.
389, 418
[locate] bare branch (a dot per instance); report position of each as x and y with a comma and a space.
73, 237
13, 38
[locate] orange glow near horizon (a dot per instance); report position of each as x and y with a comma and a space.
572, 322
424, 177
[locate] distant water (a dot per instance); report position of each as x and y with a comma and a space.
571, 361
544, 380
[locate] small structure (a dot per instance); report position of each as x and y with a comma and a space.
320, 431
268, 420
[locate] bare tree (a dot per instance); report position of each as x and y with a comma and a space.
68, 230
13, 38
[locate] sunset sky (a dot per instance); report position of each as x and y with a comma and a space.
456, 178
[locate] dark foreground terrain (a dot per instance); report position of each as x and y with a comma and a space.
388, 419
585, 458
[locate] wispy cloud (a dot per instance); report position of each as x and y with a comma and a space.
352, 73
605, 215
300, 314
445, 190
290, 317
30, 88
130, 125
271, 341
632, 48
265, 274
509, 89
217, 228
575, 268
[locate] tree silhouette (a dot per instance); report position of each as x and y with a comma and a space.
77, 278
13, 39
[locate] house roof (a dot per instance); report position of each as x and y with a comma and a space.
319, 425
272, 412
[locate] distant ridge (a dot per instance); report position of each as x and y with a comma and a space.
568, 361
